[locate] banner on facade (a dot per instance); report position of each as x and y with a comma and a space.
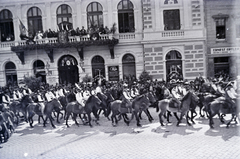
225, 50
113, 73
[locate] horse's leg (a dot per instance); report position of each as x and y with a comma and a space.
140, 115
160, 117
137, 118
52, 122
221, 118
89, 119
75, 119
233, 115
125, 118
146, 111
180, 118
175, 114
187, 118
67, 116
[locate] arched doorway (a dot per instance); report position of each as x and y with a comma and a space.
68, 70
98, 67
11, 74
174, 65
129, 67
39, 71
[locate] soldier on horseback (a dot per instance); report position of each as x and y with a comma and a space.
127, 99
231, 96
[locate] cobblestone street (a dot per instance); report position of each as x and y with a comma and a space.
105, 141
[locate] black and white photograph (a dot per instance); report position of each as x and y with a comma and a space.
119, 79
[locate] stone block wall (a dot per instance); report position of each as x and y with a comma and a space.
194, 60
147, 15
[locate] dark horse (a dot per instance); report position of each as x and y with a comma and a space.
35, 108
91, 106
173, 106
221, 107
140, 103
54, 105
106, 99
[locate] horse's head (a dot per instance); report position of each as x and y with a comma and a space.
26, 99
94, 101
57, 104
109, 97
194, 97
151, 97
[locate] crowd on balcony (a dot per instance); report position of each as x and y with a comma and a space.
93, 29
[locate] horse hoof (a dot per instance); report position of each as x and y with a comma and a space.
114, 125
162, 125
139, 125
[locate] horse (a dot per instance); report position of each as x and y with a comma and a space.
4, 132
35, 108
220, 106
173, 105
204, 100
7, 121
63, 101
153, 101
104, 104
140, 103
51, 106
91, 106
15, 107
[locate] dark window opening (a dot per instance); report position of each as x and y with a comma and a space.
126, 17
171, 19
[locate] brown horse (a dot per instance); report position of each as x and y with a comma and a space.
218, 107
91, 106
139, 104
172, 105
51, 106
35, 108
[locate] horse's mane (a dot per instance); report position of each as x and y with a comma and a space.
89, 99
24, 97
186, 96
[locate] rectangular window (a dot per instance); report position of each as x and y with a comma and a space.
171, 19
220, 28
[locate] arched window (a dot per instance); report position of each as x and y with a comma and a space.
125, 16
11, 74
68, 70
129, 68
6, 25
98, 67
94, 15
174, 65
34, 16
39, 70
64, 17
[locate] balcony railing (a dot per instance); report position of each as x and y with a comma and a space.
123, 37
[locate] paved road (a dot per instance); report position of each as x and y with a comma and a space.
128, 142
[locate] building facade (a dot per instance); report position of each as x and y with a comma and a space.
163, 37
223, 37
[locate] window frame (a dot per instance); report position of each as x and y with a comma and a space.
174, 21
126, 19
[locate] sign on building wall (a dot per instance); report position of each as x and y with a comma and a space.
225, 50
113, 73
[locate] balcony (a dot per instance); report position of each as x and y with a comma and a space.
177, 35
104, 39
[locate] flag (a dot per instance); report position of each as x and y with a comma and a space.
22, 28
